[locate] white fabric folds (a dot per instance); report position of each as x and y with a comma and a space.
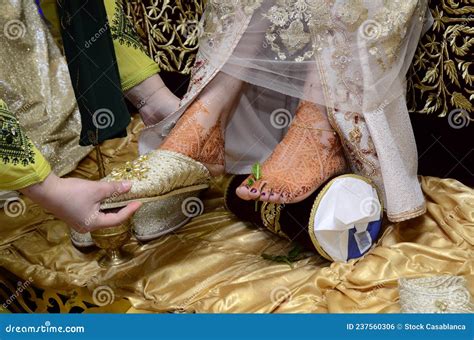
348, 202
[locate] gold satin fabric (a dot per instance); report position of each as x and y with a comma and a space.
214, 263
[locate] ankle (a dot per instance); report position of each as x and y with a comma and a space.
152, 98
313, 116
199, 135
222, 95
215, 169
160, 104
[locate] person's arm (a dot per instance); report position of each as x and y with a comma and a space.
139, 76
76, 201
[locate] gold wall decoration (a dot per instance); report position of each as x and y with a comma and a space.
442, 74
24, 296
169, 30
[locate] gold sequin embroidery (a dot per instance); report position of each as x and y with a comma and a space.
136, 170
270, 215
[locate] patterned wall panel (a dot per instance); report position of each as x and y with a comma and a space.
169, 30
442, 74
441, 92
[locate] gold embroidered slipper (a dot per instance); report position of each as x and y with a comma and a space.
81, 241
164, 181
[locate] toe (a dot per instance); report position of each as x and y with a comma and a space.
256, 189
254, 193
243, 192
274, 197
272, 194
283, 198
265, 195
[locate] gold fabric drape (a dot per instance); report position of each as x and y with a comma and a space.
214, 263
35, 84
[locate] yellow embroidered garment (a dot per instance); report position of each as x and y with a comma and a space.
134, 64
21, 164
214, 263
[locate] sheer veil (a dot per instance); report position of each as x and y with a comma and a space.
349, 57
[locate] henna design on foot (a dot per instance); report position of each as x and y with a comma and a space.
308, 155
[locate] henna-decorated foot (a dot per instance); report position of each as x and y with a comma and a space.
200, 136
199, 133
308, 155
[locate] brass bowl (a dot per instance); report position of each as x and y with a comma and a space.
111, 239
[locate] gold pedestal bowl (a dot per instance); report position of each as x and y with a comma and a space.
111, 240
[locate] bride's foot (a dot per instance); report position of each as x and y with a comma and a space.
199, 136
308, 155
199, 133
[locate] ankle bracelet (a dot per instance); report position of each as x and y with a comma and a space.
142, 102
